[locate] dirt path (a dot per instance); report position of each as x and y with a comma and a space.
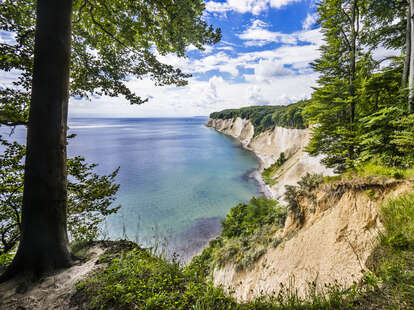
53, 292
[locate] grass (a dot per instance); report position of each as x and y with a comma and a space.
140, 280
392, 276
373, 169
137, 279
268, 173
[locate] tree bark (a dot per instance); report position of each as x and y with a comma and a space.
44, 244
407, 50
411, 74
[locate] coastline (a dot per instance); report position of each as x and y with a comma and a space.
268, 146
257, 173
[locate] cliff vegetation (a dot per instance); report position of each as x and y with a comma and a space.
266, 118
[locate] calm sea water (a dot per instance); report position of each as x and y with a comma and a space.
178, 178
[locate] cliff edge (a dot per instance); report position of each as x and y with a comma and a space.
329, 239
269, 145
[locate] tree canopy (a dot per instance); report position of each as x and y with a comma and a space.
112, 42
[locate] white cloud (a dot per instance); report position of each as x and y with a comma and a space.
258, 35
266, 70
254, 7
279, 76
309, 21
279, 3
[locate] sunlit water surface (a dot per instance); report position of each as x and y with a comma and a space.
178, 178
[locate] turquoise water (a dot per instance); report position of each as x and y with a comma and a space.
178, 178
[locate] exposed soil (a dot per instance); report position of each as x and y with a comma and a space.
56, 291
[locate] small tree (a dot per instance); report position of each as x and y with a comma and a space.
90, 197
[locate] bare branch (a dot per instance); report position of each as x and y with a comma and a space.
80, 12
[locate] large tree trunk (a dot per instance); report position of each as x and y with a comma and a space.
44, 243
411, 74
407, 50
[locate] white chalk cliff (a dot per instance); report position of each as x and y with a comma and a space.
269, 145
336, 239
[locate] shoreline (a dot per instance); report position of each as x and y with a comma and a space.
257, 173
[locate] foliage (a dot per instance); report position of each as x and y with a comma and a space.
267, 117
112, 42
373, 168
139, 280
243, 219
268, 173
403, 139
360, 108
248, 231
89, 197
398, 221
392, 276
305, 186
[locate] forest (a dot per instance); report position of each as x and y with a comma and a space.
362, 107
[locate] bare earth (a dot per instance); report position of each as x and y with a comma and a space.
52, 292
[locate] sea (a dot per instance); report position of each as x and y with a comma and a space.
178, 179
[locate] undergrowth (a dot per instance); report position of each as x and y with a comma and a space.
305, 186
268, 173
373, 169
140, 280
248, 231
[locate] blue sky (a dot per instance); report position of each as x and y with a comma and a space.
263, 58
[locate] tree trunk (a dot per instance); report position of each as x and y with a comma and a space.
407, 50
44, 243
354, 35
352, 67
411, 74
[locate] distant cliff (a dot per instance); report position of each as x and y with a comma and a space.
269, 145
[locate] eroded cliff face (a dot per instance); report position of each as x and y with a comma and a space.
269, 145
336, 237
333, 244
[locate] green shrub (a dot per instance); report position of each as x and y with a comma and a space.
244, 219
139, 280
398, 220
248, 231
305, 186
377, 169
268, 173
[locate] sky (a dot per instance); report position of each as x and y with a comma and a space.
262, 59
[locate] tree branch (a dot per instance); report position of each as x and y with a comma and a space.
346, 39
13, 124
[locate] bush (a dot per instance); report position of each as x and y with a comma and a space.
244, 219
139, 280
248, 231
306, 185
268, 173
